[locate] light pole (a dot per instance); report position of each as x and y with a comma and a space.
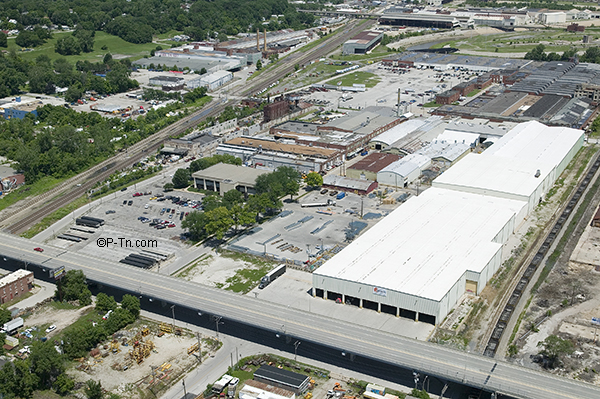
296, 344
217, 322
173, 313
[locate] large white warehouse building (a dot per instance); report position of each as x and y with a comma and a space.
419, 260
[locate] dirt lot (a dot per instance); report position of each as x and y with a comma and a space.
116, 369
118, 372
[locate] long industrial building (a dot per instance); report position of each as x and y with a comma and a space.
420, 260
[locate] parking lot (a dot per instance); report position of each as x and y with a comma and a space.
385, 93
299, 232
124, 229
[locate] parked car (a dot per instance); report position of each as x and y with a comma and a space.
110, 211
333, 193
130, 202
324, 191
51, 328
38, 249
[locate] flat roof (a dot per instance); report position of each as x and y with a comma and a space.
374, 162
510, 164
347, 182
224, 171
14, 276
283, 376
273, 145
426, 245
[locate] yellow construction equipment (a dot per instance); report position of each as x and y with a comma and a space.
167, 328
193, 348
308, 395
141, 350
145, 331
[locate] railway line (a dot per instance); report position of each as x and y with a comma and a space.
271, 76
27, 215
61, 196
509, 308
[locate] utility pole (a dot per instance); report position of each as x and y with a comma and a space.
296, 344
199, 348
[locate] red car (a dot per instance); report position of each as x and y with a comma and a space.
171, 225
38, 249
137, 194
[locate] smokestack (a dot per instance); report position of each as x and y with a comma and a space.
257, 40
265, 36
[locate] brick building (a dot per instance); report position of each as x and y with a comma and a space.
15, 285
447, 97
276, 110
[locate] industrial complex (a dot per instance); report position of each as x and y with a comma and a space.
424, 256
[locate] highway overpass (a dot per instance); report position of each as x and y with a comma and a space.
353, 341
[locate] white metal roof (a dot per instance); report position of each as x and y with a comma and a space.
450, 151
405, 166
394, 134
452, 136
426, 245
510, 164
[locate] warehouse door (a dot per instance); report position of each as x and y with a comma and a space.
471, 287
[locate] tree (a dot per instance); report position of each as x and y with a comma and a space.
73, 93
259, 65
202, 70
68, 46
63, 384
232, 197
537, 53
181, 178
3, 40
218, 222
5, 315
131, 304
314, 179
27, 38
85, 39
211, 202
93, 389
74, 288
242, 215
553, 348
46, 363
168, 187
194, 224
16, 380
107, 58
104, 303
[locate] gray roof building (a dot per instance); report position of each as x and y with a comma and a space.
223, 177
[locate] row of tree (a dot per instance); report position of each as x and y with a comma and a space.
233, 210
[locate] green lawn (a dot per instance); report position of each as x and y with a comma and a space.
554, 39
366, 78
115, 45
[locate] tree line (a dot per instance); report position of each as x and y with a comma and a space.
137, 21
61, 142
45, 367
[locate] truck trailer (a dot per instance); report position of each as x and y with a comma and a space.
329, 202
272, 275
12, 326
220, 385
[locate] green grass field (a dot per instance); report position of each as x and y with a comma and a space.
366, 78
115, 45
515, 42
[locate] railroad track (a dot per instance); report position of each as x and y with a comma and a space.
272, 76
102, 171
60, 196
511, 304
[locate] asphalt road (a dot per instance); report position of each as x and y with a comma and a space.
253, 316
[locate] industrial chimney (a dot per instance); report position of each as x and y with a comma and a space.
265, 36
257, 40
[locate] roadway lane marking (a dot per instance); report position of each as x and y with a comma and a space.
327, 332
